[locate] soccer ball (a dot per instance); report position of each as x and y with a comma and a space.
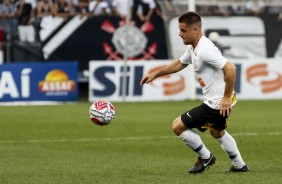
102, 112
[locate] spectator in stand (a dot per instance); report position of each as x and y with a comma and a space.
238, 10
7, 17
134, 9
146, 10
63, 9
167, 4
74, 6
7, 10
222, 10
205, 10
44, 8
44, 12
82, 8
158, 10
255, 7
25, 14
99, 8
119, 8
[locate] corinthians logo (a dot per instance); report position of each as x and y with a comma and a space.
130, 40
56, 82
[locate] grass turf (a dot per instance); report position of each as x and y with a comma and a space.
59, 144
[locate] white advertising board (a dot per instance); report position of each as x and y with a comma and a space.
256, 79
106, 78
259, 78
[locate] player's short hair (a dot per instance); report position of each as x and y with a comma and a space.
190, 18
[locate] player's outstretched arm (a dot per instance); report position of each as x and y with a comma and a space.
173, 67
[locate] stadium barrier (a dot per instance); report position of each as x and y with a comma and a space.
106, 81
256, 79
34, 83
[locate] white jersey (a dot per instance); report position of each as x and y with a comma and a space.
208, 64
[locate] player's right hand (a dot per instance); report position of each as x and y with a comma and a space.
147, 79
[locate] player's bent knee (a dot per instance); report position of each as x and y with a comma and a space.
216, 133
178, 127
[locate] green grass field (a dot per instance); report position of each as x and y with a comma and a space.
59, 144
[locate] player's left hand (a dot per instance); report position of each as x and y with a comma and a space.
225, 106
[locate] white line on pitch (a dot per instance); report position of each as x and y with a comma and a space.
126, 138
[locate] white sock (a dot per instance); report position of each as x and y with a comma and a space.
229, 145
193, 140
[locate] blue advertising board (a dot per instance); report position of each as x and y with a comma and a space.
48, 81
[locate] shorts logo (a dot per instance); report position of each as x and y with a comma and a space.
207, 125
189, 115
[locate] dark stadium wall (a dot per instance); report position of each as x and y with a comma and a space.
273, 33
93, 40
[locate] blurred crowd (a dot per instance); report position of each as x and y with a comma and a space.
22, 18
250, 7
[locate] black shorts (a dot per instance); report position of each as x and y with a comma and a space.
202, 117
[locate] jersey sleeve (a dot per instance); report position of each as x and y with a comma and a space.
213, 56
186, 57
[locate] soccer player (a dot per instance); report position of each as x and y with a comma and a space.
216, 75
